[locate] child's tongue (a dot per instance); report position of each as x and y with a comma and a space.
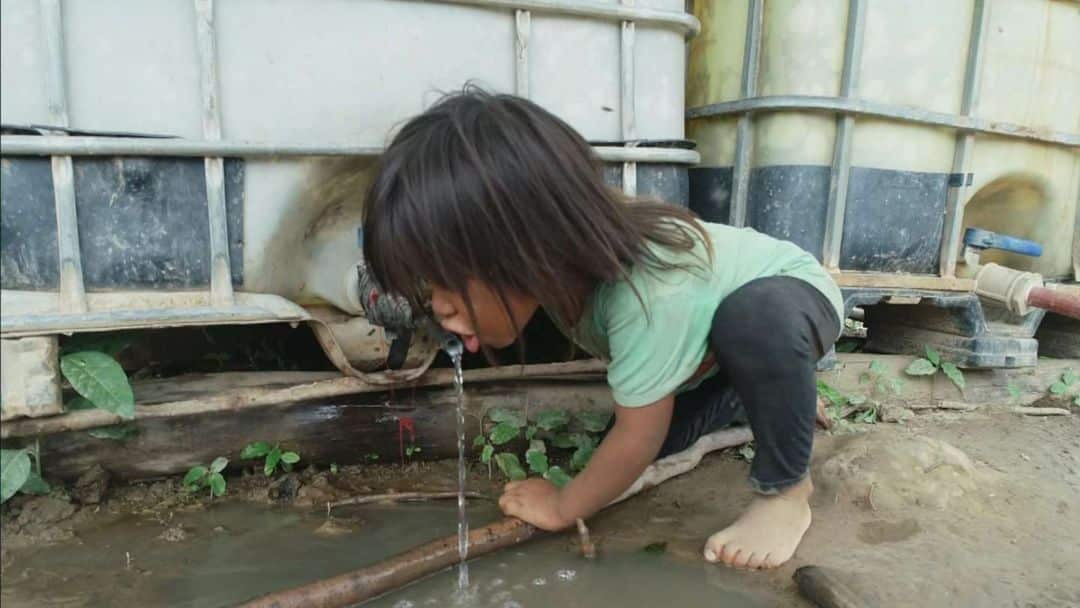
472, 343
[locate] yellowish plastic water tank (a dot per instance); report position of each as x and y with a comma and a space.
872, 133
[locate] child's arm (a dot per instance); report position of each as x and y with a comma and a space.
629, 447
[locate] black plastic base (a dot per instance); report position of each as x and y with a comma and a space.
958, 326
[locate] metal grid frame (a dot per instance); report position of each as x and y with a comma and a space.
71, 303
847, 106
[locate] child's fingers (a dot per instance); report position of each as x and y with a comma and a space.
510, 486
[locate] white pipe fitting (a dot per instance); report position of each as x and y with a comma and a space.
1008, 286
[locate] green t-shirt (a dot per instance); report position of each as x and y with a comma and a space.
651, 356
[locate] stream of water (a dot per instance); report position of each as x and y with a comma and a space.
453, 347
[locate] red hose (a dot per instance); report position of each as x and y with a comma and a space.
1055, 301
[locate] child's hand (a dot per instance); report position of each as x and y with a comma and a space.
534, 500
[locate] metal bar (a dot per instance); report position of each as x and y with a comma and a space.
845, 126
220, 272
23, 325
627, 91
522, 31
72, 288
744, 135
33, 145
862, 107
52, 24
678, 20
965, 144
32, 313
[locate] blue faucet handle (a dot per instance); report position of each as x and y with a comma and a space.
985, 239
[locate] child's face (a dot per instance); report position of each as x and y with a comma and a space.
494, 327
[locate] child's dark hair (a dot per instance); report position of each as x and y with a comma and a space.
495, 188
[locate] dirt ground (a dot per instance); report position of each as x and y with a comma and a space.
946, 509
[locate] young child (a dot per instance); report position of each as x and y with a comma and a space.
494, 208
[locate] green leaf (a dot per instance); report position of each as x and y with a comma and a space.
583, 440
581, 457
921, 367
847, 346
897, 385
1014, 391
485, 454
194, 476
116, 432
35, 485
655, 548
1058, 388
14, 471
1076, 401
557, 476
551, 420
510, 466
217, 484
933, 356
878, 367
333, 468
255, 449
537, 460
747, 452
503, 432
593, 421
954, 374
219, 464
293, 457
867, 417
1069, 377
831, 394
479, 441
530, 432
562, 441
79, 403
271, 462
511, 417
100, 379
857, 399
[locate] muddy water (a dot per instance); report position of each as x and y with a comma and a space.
231, 552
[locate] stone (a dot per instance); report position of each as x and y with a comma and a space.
91, 486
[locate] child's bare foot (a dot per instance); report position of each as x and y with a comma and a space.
767, 534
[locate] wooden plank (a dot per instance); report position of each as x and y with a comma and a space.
902, 281
345, 430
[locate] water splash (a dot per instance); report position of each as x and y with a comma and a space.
451, 344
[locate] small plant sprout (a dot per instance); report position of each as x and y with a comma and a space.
932, 364
860, 408
273, 456
199, 477
548, 429
410, 451
333, 468
1014, 392
881, 381
1064, 383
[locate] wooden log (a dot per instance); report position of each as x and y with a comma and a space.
345, 430
359, 585
264, 395
397, 571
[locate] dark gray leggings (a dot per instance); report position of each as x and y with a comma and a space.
767, 337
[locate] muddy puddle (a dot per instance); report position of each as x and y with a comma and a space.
233, 551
